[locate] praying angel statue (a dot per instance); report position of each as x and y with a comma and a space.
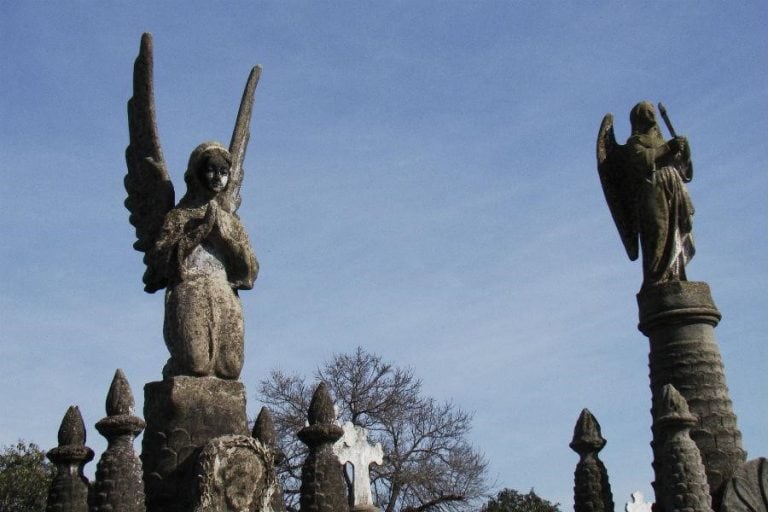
197, 249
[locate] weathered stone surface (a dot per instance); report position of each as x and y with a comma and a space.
747, 490
119, 484
264, 431
591, 490
681, 483
69, 491
322, 480
353, 447
644, 185
235, 473
198, 249
679, 320
183, 414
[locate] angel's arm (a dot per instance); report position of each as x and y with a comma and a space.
242, 266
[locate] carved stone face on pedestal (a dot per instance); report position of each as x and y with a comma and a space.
235, 474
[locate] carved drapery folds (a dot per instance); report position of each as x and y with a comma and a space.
591, 490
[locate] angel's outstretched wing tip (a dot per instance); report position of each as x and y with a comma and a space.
146, 40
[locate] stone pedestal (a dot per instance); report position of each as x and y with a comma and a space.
182, 415
679, 319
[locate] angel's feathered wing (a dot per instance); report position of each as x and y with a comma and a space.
150, 191
239, 143
617, 186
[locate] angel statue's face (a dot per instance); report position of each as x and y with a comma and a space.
215, 173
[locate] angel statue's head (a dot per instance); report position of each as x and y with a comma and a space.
642, 117
208, 170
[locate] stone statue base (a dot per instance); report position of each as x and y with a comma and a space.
182, 415
364, 508
679, 319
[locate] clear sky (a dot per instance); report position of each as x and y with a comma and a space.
420, 181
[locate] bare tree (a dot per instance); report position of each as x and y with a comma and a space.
428, 463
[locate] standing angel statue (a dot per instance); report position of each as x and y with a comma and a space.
644, 185
197, 250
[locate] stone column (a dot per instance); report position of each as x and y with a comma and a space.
70, 489
679, 320
322, 480
182, 415
118, 484
591, 490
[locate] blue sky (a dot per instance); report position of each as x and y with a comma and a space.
420, 181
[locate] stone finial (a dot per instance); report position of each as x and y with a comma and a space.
264, 431
681, 482
592, 490
264, 428
672, 409
321, 409
118, 484
322, 479
119, 397
69, 488
72, 429
587, 437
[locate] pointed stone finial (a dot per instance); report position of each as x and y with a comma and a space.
119, 398
591, 490
321, 409
264, 428
673, 408
322, 478
587, 437
118, 484
681, 481
264, 431
69, 488
72, 429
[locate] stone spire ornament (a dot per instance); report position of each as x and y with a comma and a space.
322, 478
591, 491
681, 482
264, 431
69, 488
353, 448
119, 484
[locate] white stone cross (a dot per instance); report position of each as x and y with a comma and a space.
353, 447
638, 503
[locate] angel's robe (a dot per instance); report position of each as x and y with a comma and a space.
203, 326
663, 208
